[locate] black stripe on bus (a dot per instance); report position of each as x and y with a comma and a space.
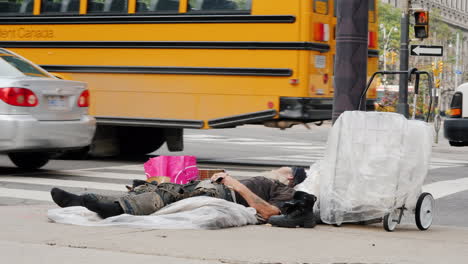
167, 45
144, 19
237, 120
148, 122
171, 70
373, 53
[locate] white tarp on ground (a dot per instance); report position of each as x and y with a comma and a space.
374, 162
192, 213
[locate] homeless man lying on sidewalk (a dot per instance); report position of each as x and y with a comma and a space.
267, 195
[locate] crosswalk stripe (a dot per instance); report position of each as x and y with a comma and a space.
449, 161
25, 194
445, 188
98, 174
64, 183
122, 167
305, 159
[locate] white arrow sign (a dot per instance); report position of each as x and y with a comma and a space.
426, 50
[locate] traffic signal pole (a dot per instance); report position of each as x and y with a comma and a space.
402, 106
351, 55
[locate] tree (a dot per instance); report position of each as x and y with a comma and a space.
389, 17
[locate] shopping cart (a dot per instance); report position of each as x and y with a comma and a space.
374, 167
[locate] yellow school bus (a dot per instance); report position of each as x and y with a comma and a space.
156, 67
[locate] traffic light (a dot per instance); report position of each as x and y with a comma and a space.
441, 66
421, 24
435, 70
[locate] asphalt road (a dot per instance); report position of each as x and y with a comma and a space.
245, 151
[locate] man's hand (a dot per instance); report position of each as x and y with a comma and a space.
263, 208
226, 179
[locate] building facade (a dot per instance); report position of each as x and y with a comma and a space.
454, 12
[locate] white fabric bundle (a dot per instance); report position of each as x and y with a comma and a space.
191, 213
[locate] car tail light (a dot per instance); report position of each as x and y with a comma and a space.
83, 100
456, 105
321, 32
372, 40
18, 96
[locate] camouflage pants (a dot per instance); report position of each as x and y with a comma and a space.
149, 198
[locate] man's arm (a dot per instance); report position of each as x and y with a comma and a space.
263, 208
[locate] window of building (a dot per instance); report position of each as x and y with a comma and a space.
219, 5
157, 6
16, 6
107, 6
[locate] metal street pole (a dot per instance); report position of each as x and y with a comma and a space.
386, 38
402, 106
384, 48
457, 48
351, 55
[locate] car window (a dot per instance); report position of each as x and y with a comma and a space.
14, 66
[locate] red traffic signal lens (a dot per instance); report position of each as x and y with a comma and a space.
421, 18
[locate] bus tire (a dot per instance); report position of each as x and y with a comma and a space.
457, 144
136, 141
76, 154
174, 139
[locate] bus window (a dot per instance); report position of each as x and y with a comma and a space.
219, 5
60, 6
321, 7
16, 6
157, 5
107, 6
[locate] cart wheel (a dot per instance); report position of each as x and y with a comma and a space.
424, 211
390, 221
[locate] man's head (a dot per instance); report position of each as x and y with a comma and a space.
290, 176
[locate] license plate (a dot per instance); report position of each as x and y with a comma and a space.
57, 102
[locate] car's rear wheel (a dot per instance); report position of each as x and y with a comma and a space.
135, 141
29, 160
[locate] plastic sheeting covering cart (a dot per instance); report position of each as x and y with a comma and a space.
374, 168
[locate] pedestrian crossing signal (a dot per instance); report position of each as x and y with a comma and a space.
421, 24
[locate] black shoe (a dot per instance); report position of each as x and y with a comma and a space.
306, 220
65, 199
299, 212
103, 208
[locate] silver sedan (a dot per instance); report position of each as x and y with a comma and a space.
39, 113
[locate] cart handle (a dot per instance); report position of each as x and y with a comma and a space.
413, 71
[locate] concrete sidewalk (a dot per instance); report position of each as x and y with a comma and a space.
27, 236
